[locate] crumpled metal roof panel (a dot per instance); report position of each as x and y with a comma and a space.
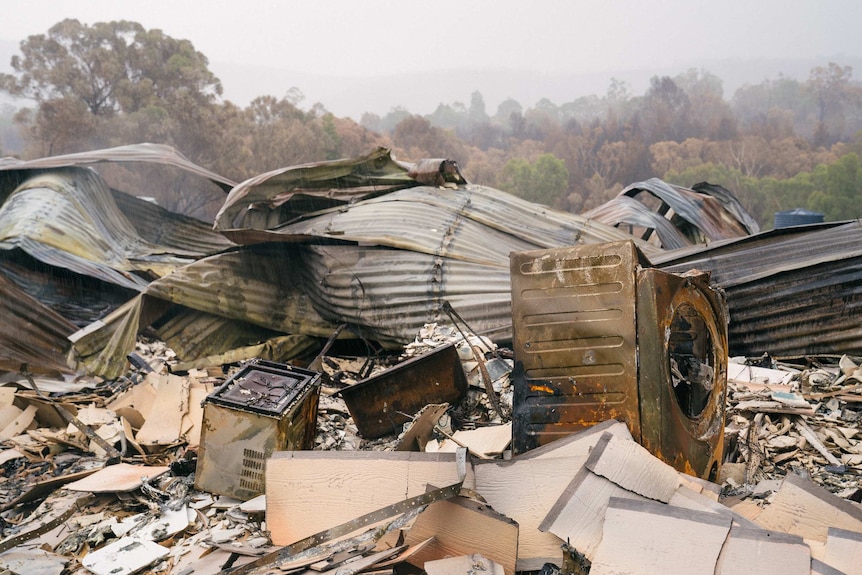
704, 214
174, 233
626, 210
274, 197
473, 223
389, 294
262, 285
69, 218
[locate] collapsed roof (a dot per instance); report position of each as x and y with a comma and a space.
383, 260
374, 243
81, 249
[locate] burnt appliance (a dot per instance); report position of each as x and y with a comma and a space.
599, 334
263, 408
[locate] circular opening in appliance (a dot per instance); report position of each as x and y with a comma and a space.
691, 360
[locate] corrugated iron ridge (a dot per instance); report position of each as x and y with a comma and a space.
145, 152
699, 209
789, 293
625, 210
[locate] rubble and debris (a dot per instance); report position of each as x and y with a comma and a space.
212, 534
121, 490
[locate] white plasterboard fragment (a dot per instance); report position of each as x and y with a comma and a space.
123, 557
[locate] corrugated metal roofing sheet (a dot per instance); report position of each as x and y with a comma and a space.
383, 265
68, 217
173, 232
30, 333
275, 197
149, 153
704, 214
628, 211
790, 292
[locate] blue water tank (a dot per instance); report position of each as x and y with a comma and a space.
797, 217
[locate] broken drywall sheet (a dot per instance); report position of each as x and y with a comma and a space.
650, 538
526, 487
164, 424
309, 491
463, 565
123, 556
760, 551
460, 525
579, 513
803, 508
634, 468
844, 550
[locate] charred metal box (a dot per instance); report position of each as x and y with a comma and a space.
382, 403
599, 334
265, 407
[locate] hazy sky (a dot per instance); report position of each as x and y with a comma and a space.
369, 38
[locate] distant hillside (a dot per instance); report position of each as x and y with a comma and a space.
420, 93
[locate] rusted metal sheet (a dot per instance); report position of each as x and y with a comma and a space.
573, 318
265, 407
598, 335
30, 333
384, 402
791, 292
703, 214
